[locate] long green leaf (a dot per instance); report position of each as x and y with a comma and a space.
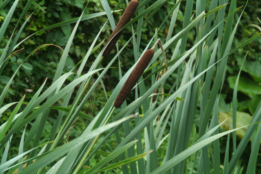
60, 151
123, 162
8, 19
111, 157
186, 153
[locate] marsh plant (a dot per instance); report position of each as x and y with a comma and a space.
162, 116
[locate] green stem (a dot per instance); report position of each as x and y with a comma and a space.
69, 116
89, 149
65, 124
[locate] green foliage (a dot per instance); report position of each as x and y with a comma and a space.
52, 52
250, 78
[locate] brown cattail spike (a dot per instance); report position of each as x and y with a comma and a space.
154, 98
126, 17
134, 77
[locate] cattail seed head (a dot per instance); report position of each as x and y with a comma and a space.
134, 77
154, 98
126, 17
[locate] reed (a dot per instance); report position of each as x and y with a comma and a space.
126, 17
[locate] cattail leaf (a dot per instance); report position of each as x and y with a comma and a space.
111, 156
8, 19
60, 24
186, 153
58, 152
123, 162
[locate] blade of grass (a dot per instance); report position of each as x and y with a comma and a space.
174, 144
124, 162
187, 16
159, 138
245, 140
217, 82
108, 11
130, 151
208, 79
21, 149
18, 34
5, 154
51, 101
3, 4
226, 156
62, 61
251, 167
159, 123
16, 117
58, 73
228, 28
213, 5
220, 17
55, 167
68, 96
60, 151
56, 97
234, 105
70, 21
38, 6
10, 119
4, 53
111, 157
80, 114
216, 145
4, 166
3, 94
8, 19
68, 162
172, 22
4, 108
186, 153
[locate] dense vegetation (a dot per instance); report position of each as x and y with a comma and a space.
57, 90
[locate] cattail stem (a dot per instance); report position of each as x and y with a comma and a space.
158, 42
126, 17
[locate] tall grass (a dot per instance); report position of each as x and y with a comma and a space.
166, 136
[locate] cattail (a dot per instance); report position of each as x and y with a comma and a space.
134, 77
126, 17
155, 95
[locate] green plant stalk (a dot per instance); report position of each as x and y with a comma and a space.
234, 105
86, 97
24, 113
62, 130
58, 73
81, 163
91, 50
105, 108
118, 164
65, 125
